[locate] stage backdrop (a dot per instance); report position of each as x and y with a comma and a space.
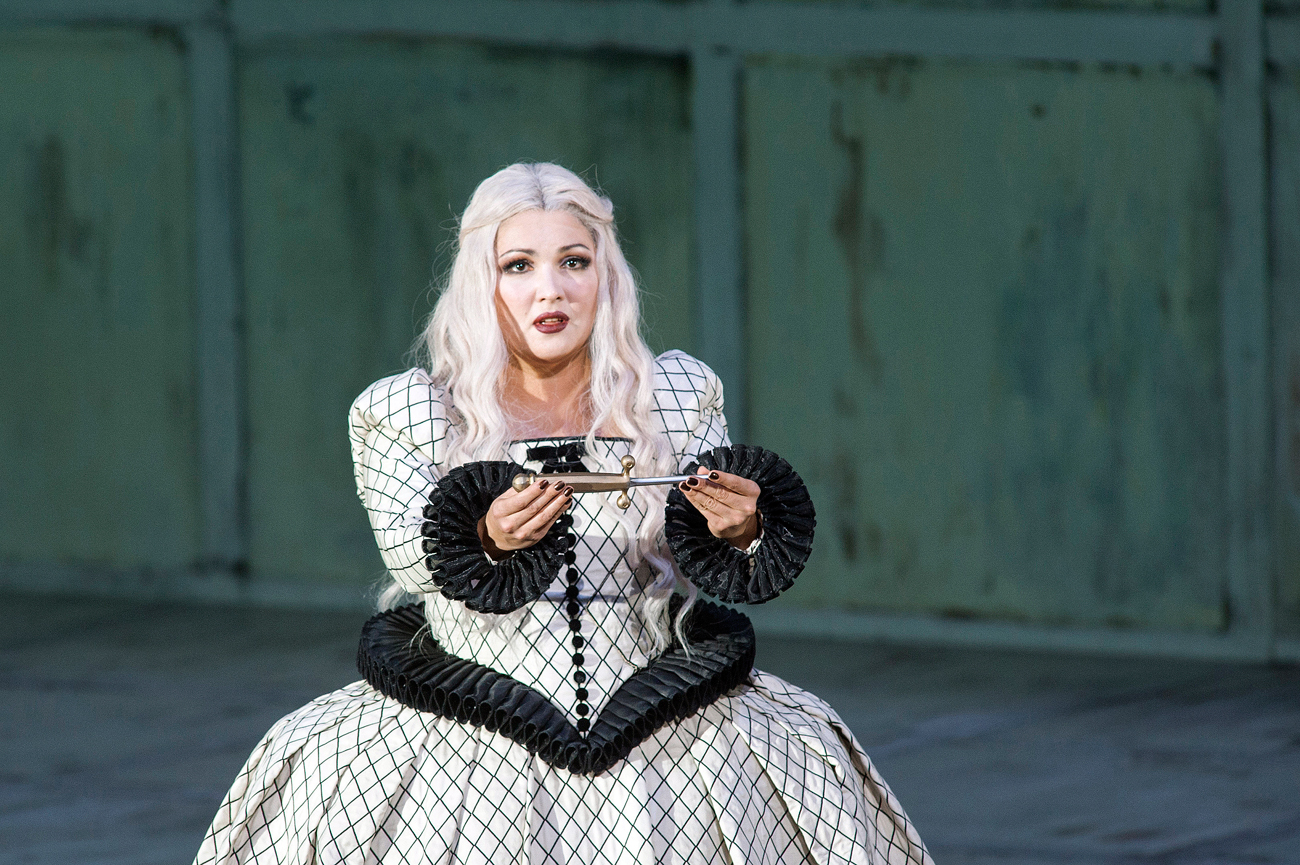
1024, 314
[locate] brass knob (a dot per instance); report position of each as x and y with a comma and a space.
521, 482
628, 464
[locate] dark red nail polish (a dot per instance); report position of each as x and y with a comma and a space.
693, 482
544, 484
713, 476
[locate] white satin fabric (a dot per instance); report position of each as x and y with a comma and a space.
766, 774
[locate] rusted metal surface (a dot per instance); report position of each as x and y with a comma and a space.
984, 309
98, 433
1284, 117
984, 324
357, 155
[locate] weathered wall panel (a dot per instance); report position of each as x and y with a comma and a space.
1284, 127
357, 156
98, 433
984, 324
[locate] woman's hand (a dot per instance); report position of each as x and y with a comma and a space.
729, 503
520, 519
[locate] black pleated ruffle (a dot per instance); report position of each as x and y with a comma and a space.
723, 571
455, 556
417, 672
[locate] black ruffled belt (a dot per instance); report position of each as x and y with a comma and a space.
419, 673
416, 671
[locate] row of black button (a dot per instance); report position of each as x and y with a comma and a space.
574, 610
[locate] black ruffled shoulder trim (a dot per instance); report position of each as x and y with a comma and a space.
455, 556
723, 571
401, 662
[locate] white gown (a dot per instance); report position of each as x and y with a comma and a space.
766, 773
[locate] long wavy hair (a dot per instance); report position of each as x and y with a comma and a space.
466, 354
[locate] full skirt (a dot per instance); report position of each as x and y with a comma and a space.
768, 773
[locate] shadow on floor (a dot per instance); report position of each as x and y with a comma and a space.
122, 724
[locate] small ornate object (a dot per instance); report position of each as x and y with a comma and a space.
600, 482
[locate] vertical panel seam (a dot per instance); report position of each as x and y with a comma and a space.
222, 456
715, 133
1244, 311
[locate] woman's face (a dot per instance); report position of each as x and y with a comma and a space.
546, 286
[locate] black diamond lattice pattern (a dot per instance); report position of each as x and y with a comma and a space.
768, 773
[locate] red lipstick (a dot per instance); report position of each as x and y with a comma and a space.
551, 322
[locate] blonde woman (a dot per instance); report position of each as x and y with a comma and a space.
559, 694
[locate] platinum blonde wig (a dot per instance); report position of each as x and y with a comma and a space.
468, 356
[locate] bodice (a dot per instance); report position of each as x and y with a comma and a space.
533, 644
400, 428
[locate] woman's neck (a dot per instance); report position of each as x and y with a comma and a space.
548, 401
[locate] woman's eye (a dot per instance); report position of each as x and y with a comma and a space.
518, 266
576, 262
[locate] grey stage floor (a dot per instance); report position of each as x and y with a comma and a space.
122, 724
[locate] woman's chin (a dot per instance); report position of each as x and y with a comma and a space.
550, 353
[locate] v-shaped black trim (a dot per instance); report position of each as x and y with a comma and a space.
401, 662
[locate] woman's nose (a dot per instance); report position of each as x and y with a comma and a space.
552, 284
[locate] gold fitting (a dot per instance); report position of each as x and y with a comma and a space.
628, 464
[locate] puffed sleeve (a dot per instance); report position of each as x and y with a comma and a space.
688, 398
688, 403
397, 429
425, 516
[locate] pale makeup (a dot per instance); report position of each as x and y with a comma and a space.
547, 286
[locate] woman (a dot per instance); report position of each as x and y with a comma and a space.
561, 696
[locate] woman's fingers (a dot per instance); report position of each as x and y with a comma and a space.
537, 527
734, 484
734, 499
513, 502
720, 513
516, 514
728, 502
509, 520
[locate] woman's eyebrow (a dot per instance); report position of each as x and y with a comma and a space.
524, 251
575, 246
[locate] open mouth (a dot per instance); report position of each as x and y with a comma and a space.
551, 322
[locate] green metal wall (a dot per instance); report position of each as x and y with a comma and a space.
98, 436
1284, 106
984, 322
357, 155
983, 312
